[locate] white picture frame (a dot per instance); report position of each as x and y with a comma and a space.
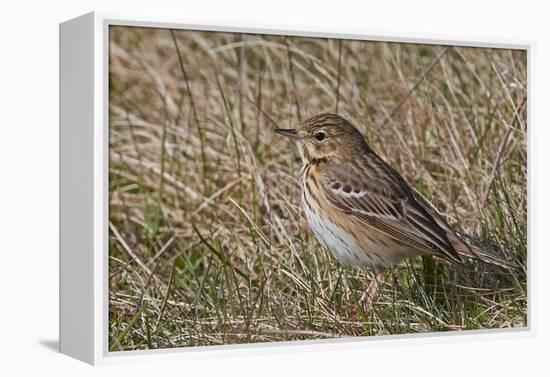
84, 192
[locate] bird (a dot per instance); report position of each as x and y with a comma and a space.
362, 210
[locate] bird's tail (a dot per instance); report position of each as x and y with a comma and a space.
470, 248
484, 253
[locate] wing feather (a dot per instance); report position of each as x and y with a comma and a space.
382, 200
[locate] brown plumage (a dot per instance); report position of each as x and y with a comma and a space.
362, 210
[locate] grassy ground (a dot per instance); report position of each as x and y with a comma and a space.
208, 242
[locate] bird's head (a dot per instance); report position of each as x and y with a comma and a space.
325, 136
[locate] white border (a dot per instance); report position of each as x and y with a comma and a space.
102, 21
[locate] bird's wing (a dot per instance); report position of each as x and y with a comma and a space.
377, 196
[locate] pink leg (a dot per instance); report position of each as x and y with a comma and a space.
368, 297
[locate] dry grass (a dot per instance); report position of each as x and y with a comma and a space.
208, 243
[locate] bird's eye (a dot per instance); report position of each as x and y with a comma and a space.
320, 136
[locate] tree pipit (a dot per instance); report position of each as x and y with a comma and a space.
362, 210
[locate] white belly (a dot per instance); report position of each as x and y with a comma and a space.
344, 247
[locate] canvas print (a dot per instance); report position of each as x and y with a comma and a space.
267, 188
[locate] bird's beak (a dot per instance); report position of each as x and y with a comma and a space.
288, 132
